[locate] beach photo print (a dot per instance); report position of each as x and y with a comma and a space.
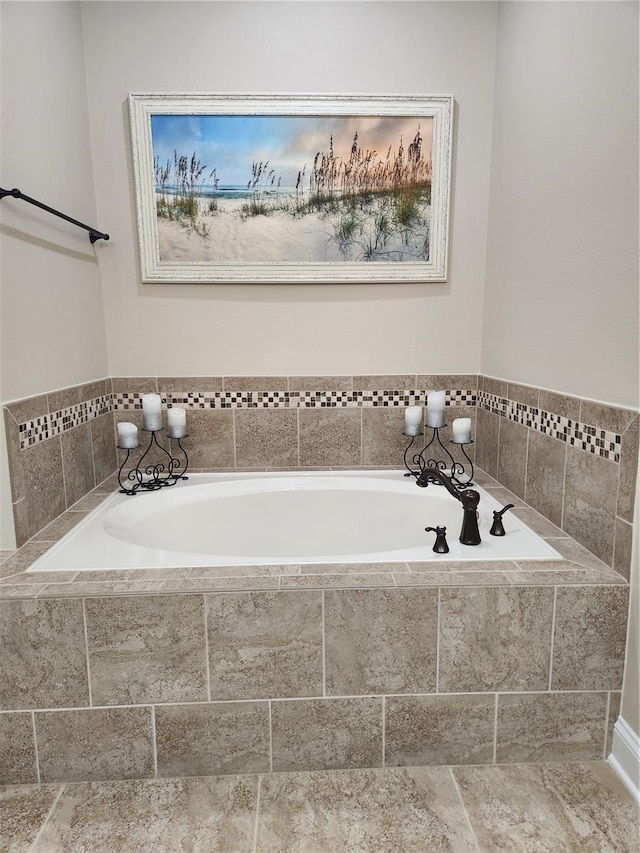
293, 188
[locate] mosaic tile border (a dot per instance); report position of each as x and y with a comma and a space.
52, 424
591, 439
587, 437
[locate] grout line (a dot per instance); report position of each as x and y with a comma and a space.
324, 651
384, 729
464, 808
270, 736
35, 745
86, 649
46, 820
438, 643
564, 486
553, 634
495, 730
606, 726
206, 647
154, 739
255, 826
233, 435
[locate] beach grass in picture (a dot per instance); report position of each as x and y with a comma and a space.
294, 191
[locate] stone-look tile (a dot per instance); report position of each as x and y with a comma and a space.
614, 712
255, 383
495, 639
14, 457
572, 575
552, 807
44, 483
628, 472
265, 644
21, 521
83, 746
512, 456
64, 398
299, 384
60, 527
36, 578
108, 485
576, 553
242, 571
559, 404
23, 810
21, 590
504, 496
545, 475
146, 649
455, 566
523, 394
43, 661
134, 385
383, 442
213, 584
209, 443
329, 581
330, 437
550, 727
23, 558
187, 384
487, 429
622, 549
537, 522
439, 730
80, 589
385, 382
103, 445
447, 381
98, 388
589, 640
163, 816
77, 463
481, 478
266, 436
497, 387
392, 810
453, 578
350, 568
88, 503
606, 417
213, 739
28, 409
380, 641
17, 750
590, 502
326, 734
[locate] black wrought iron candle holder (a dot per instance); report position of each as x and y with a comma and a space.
422, 460
156, 475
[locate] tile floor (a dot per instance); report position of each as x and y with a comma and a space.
543, 808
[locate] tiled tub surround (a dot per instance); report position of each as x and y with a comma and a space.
193, 671
573, 460
183, 672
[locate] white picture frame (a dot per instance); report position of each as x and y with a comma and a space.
377, 212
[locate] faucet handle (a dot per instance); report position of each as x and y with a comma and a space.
440, 546
497, 528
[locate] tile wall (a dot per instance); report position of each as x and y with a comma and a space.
571, 459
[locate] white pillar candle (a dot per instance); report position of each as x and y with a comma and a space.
461, 430
413, 420
127, 435
176, 422
152, 411
435, 408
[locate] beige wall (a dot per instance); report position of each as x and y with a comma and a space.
52, 323
437, 48
561, 284
561, 287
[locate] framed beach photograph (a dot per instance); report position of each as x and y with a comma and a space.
292, 188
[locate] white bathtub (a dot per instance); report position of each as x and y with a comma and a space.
284, 518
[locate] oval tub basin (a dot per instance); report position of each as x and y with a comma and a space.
284, 518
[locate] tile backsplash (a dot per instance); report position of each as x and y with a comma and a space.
573, 460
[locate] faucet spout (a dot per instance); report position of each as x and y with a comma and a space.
469, 498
